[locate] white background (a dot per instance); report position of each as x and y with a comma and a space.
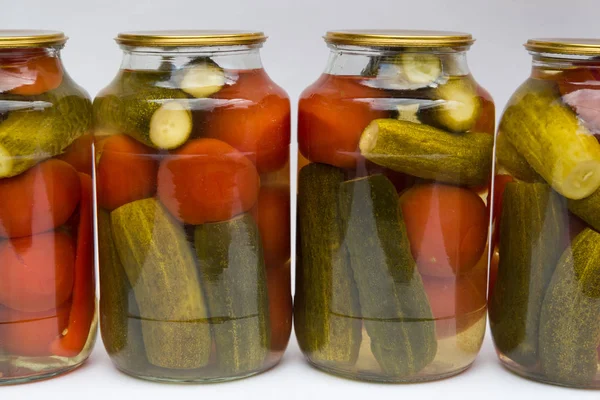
294, 56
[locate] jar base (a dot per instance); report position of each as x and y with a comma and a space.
372, 377
539, 377
34, 377
192, 380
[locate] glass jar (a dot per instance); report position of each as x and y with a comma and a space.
192, 165
545, 272
395, 161
47, 290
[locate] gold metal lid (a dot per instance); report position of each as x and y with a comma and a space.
189, 38
23, 38
575, 46
400, 38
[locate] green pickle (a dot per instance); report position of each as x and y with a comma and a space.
233, 275
532, 231
120, 328
427, 152
31, 135
148, 108
548, 134
460, 107
394, 306
570, 317
161, 268
326, 306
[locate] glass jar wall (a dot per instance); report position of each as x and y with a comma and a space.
47, 290
396, 141
545, 273
192, 164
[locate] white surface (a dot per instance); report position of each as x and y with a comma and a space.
295, 56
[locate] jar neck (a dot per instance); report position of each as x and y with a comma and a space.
227, 57
23, 56
354, 60
548, 63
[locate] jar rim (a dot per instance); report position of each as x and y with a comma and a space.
190, 38
574, 46
28, 38
399, 38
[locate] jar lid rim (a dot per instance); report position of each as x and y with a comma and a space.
399, 38
175, 38
575, 46
25, 38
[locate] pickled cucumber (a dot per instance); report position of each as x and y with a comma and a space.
427, 152
408, 112
54, 120
394, 305
121, 334
587, 209
549, 136
233, 275
408, 72
509, 158
570, 318
147, 108
532, 227
202, 77
459, 107
161, 269
326, 305
421, 68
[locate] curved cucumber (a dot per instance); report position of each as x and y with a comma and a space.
570, 318
421, 68
427, 152
459, 108
202, 78
121, 335
326, 302
549, 136
233, 275
515, 164
532, 228
394, 305
146, 108
161, 269
31, 135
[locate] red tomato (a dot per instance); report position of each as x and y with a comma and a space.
79, 154
273, 220
457, 303
31, 76
575, 79
126, 172
446, 226
31, 334
38, 200
261, 129
36, 272
207, 180
332, 115
487, 117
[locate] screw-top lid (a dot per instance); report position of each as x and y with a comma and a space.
584, 47
23, 38
189, 38
400, 38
